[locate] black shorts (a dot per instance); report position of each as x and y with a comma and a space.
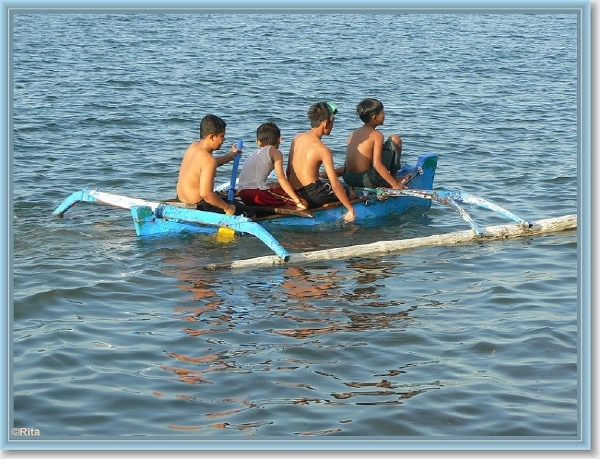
240, 208
318, 194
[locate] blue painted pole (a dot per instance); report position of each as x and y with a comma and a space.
234, 171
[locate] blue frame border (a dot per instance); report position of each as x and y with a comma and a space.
583, 9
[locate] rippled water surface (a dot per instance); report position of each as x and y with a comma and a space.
121, 338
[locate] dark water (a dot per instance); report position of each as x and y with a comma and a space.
120, 338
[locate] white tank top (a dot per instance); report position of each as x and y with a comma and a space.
255, 170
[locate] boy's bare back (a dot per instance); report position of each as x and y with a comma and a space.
307, 153
196, 175
360, 147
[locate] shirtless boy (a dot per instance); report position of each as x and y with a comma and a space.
308, 153
252, 184
199, 168
371, 162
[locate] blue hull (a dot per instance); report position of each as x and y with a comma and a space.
371, 208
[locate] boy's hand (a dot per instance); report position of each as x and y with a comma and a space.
230, 210
231, 155
350, 216
302, 205
401, 185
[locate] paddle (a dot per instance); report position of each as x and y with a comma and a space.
225, 234
234, 171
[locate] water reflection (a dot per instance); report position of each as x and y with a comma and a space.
348, 300
300, 335
300, 285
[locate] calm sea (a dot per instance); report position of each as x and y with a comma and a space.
118, 340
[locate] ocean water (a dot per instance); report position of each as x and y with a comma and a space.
129, 340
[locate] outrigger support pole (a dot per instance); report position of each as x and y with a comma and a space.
452, 198
100, 197
163, 210
237, 223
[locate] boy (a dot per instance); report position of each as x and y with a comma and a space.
252, 183
308, 153
199, 169
369, 161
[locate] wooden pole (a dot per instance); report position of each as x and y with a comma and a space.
550, 225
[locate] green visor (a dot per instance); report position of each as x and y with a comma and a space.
333, 108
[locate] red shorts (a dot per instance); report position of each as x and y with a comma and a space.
273, 197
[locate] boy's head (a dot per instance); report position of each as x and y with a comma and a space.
268, 134
211, 124
321, 111
368, 108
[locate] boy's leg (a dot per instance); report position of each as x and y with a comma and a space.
274, 197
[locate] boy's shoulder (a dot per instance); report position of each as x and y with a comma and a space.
201, 148
322, 150
194, 146
273, 149
368, 129
198, 153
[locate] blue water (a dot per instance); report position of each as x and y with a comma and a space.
120, 338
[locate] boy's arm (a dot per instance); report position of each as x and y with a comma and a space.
277, 159
290, 173
378, 164
227, 157
336, 185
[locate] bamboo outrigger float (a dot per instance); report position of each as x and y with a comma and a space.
536, 228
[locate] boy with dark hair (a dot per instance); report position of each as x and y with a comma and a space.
308, 153
199, 168
371, 162
252, 183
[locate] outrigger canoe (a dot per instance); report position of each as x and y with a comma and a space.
372, 204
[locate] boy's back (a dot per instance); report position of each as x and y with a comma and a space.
307, 153
193, 176
371, 162
360, 147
